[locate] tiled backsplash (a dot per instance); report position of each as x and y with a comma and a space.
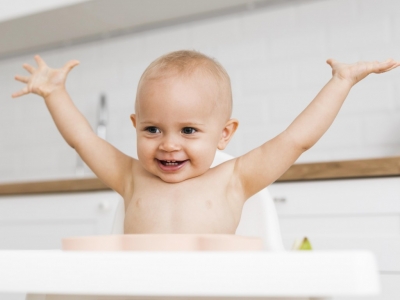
275, 57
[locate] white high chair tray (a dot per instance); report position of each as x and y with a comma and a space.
190, 274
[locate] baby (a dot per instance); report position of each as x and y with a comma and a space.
182, 116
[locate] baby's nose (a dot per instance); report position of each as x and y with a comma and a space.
169, 144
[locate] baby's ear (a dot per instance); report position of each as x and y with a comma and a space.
133, 119
227, 133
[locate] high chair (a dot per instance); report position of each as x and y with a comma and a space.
262, 275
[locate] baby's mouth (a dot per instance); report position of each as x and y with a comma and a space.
171, 162
171, 165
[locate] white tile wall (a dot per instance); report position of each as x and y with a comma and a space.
275, 56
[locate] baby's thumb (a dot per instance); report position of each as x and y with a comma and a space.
69, 65
331, 62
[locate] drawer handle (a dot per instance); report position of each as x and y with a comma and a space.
104, 206
279, 199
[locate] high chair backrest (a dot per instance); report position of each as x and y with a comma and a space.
259, 217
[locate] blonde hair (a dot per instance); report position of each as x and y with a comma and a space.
188, 62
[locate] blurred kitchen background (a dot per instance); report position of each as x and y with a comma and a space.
274, 51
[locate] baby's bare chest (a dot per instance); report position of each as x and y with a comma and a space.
188, 207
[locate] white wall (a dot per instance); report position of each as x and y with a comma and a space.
275, 57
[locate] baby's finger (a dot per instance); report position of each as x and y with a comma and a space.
69, 65
391, 68
331, 61
29, 68
40, 61
388, 65
23, 79
394, 64
376, 66
22, 92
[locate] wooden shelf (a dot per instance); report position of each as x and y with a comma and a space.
366, 168
379, 167
56, 186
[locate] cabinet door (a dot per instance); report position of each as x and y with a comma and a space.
353, 196
343, 215
390, 285
41, 221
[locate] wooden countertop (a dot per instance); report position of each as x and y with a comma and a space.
366, 168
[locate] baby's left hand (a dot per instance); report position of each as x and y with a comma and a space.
353, 73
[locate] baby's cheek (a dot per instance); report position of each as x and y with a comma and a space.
203, 154
145, 152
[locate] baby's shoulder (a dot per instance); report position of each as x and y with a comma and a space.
224, 170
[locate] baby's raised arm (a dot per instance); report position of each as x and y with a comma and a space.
112, 166
263, 165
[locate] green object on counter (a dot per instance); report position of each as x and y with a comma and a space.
303, 244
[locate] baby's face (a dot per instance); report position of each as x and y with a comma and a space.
179, 126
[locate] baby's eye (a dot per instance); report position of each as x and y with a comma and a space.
188, 130
152, 129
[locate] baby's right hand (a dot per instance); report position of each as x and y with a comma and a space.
43, 80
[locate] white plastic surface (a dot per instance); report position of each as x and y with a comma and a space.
190, 274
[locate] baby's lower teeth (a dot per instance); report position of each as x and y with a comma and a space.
171, 164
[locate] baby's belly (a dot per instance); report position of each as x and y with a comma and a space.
180, 220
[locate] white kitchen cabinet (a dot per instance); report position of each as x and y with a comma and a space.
352, 196
343, 215
41, 221
94, 20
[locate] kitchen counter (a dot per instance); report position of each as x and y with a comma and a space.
366, 168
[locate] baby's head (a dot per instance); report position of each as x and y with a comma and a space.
182, 115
